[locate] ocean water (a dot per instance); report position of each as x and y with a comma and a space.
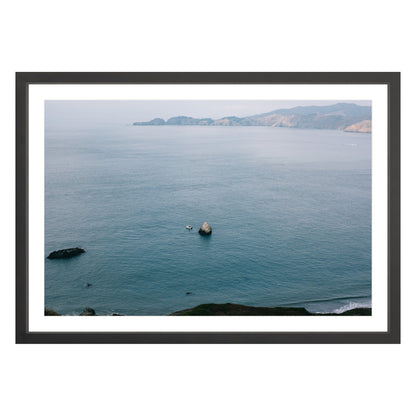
290, 211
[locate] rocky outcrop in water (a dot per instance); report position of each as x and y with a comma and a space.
88, 312
205, 229
66, 253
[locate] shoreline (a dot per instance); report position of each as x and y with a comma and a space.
233, 309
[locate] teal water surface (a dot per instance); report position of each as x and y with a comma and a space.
290, 211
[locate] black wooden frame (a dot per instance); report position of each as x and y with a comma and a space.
24, 79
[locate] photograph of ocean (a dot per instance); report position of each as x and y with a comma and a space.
287, 194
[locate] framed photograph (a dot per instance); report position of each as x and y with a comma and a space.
208, 207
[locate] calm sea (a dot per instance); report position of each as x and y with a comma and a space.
290, 211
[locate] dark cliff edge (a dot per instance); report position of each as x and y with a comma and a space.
231, 309
51, 312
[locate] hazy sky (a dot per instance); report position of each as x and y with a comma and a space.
82, 112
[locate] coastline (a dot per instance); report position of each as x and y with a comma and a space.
233, 309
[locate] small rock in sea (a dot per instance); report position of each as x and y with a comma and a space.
205, 229
66, 253
88, 312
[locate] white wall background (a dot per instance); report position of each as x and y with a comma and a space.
211, 36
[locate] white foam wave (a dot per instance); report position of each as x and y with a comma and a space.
353, 305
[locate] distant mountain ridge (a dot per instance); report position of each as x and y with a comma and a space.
342, 116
